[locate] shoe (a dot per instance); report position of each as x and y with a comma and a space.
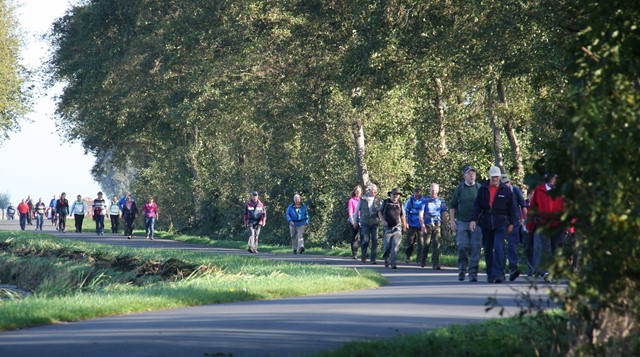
473, 278
248, 249
547, 277
364, 259
498, 281
301, 250
374, 262
461, 276
491, 280
354, 256
436, 267
295, 251
406, 260
514, 274
147, 237
254, 251
421, 265
129, 237
386, 263
151, 238
394, 267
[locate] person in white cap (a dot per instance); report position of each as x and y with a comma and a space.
493, 211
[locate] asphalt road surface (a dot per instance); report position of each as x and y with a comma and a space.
415, 299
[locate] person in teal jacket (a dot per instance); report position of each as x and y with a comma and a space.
298, 219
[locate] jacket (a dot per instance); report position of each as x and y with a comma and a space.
500, 214
545, 209
366, 216
254, 213
299, 217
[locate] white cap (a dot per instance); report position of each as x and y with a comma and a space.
495, 171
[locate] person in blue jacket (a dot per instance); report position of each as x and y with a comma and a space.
298, 219
493, 211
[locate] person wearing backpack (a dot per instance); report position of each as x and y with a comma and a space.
78, 208
434, 219
393, 220
513, 239
368, 219
468, 242
254, 217
414, 208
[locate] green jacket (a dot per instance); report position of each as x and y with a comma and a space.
462, 201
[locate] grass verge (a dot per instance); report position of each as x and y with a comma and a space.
72, 280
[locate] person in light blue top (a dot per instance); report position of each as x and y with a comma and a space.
414, 208
298, 219
434, 219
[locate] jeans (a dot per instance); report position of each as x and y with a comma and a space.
62, 222
412, 233
513, 239
149, 225
297, 236
369, 235
39, 220
468, 248
115, 222
99, 223
544, 246
23, 220
78, 218
494, 252
391, 240
254, 234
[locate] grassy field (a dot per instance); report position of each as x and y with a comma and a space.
72, 280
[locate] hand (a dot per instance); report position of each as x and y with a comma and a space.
509, 228
291, 223
452, 225
472, 226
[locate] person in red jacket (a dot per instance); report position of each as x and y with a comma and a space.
23, 210
254, 217
545, 212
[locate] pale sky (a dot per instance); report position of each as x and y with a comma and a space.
37, 161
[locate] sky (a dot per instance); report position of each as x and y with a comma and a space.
37, 160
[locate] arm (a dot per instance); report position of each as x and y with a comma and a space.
381, 216
289, 215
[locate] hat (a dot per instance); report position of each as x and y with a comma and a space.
495, 171
505, 178
394, 191
254, 193
467, 169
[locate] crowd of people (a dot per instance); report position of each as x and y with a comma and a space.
493, 216
117, 211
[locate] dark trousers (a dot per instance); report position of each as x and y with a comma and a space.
115, 222
78, 218
23, 220
355, 239
128, 226
62, 222
99, 223
414, 235
494, 256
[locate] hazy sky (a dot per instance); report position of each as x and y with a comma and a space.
37, 160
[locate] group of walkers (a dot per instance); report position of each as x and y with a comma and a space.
483, 216
123, 209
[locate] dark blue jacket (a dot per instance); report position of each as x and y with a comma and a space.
502, 212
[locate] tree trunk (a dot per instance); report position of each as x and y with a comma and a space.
439, 104
358, 137
511, 135
497, 139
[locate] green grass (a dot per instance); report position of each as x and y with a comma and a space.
541, 335
72, 280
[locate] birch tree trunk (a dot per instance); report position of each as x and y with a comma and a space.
511, 135
439, 104
497, 139
358, 138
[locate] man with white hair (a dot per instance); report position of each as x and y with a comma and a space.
298, 218
368, 208
467, 241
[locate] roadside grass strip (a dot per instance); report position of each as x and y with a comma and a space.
72, 280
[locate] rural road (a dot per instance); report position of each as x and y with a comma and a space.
415, 299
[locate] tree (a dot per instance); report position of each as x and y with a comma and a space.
14, 92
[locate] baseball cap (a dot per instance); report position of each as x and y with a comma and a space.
468, 168
505, 178
495, 171
254, 193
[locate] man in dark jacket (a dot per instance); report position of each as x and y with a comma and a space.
494, 213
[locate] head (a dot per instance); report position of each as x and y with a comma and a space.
79, 197
550, 179
254, 196
395, 194
357, 191
469, 174
100, 195
150, 199
373, 189
114, 199
296, 199
63, 196
435, 188
505, 180
39, 199
129, 198
494, 176
417, 193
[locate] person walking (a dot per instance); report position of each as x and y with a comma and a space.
52, 210
394, 224
254, 217
10, 212
78, 210
298, 219
129, 214
514, 238
150, 213
23, 211
434, 220
414, 209
493, 211
114, 214
40, 210
62, 210
354, 229
368, 219
30, 214
99, 212
545, 210
468, 242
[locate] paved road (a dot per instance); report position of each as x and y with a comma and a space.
414, 300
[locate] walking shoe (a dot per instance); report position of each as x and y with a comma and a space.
461, 276
386, 262
129, 237
301, 250
406, 260
354, 256
436, 267
514, 274
498, 281
491, 280
394, 267
295, 251
547, 278
147, 237
364, 258
473, 278
248, 249
374, 262
254, 251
